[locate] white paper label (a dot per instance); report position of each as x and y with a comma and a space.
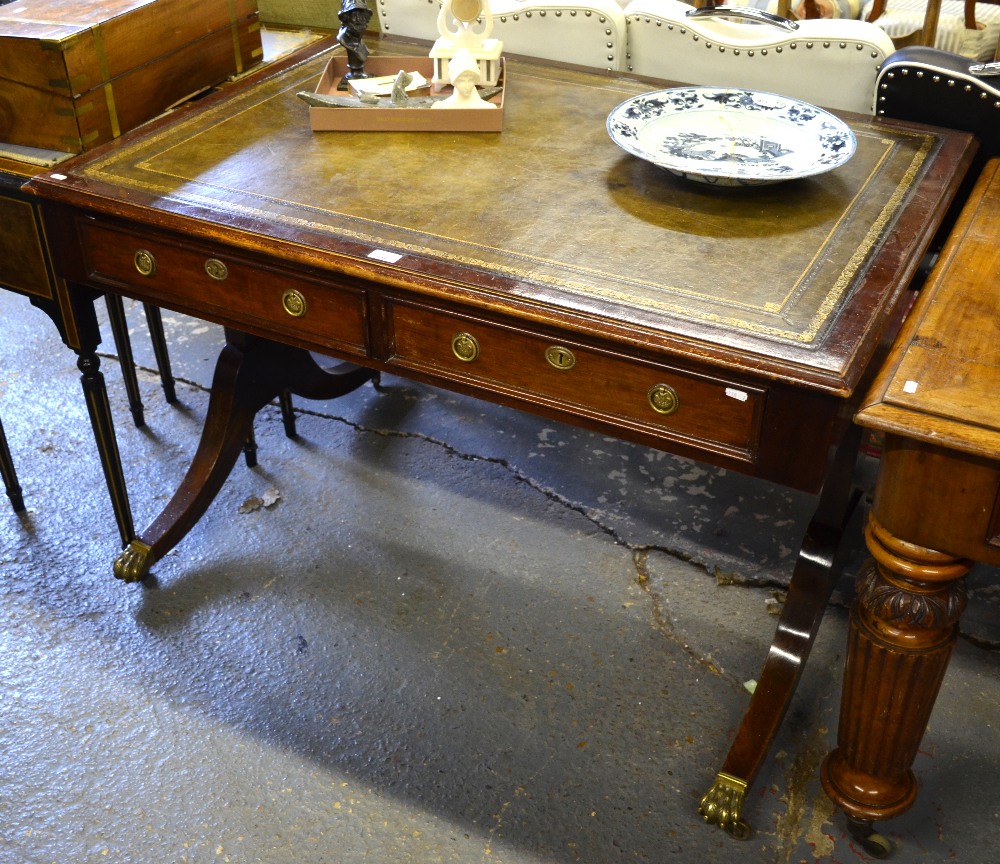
384, 255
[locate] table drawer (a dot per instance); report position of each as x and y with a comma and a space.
703, 410
193, 278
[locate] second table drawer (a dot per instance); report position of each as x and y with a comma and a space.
666, 401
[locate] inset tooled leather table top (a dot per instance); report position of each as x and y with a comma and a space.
552, 211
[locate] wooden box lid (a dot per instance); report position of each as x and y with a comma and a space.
71, 48
75, 75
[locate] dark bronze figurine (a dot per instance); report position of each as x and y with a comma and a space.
354, 16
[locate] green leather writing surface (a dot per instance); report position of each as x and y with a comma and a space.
550, 205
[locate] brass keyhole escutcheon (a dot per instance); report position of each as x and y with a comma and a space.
145, 263
216, 269
294, 303
663, 399
465, 347
560, 357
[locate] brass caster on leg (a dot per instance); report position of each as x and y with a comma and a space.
723, 803
863, 830
134, 561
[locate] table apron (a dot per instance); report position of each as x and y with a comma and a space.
649, 395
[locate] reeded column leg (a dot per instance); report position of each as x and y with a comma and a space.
250, 448
287, 413
96, 395
154, 321
903, 626
9, 475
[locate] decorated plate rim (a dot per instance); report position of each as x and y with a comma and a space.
739, 97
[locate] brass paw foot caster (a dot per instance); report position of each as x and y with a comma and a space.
134, 561
863, 830
723, 804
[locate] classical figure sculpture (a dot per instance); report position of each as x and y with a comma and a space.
464, 74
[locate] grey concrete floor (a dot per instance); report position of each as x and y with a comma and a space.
427, 630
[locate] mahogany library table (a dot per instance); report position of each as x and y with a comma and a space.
541, 267
936, 510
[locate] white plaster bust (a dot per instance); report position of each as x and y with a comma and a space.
463, 72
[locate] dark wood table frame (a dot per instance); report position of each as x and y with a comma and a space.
540, 268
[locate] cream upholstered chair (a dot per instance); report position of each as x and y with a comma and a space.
828, 62
584, 32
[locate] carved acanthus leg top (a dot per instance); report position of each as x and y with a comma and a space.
903, 626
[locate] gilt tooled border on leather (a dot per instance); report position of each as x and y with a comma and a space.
113, 168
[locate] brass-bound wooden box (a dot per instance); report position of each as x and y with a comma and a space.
74, 75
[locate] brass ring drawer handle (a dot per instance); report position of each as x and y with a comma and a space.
465, 347
663, 399
145, 263
294, 303
216, 269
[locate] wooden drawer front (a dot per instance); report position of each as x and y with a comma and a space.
22, 253
192, 278
706, 411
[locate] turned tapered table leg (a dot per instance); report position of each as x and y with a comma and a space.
95, 393
123, 344
154, 321
903, 626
